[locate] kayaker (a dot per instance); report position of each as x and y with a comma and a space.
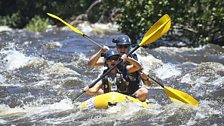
114, 81
136, 88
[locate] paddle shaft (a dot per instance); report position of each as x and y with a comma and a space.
109, 70
156, 81
91, 40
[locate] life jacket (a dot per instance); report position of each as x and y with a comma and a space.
115, 83
133, 78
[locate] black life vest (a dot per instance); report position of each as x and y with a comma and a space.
133, 78
115, 83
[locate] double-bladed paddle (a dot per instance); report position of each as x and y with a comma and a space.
155, 32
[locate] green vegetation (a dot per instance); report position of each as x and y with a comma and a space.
37, 24
18, 13
198, 22
10, 20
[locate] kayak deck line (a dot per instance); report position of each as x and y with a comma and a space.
104, 101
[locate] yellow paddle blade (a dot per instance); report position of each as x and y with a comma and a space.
70, 26
157, 30
176, 95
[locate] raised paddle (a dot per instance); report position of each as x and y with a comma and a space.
173, 94
155, 32
176, 95
75, 29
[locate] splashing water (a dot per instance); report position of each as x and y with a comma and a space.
41, 73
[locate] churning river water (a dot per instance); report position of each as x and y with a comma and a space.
41, 73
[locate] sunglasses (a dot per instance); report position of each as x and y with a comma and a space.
122, 46
115, 58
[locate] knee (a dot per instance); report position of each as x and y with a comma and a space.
142, 94
143, 91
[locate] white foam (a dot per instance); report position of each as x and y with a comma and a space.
173, 50
149, 62
5, 28
167, 71
6, 111
200, 77
2, 121
108, 26
218, 81
60, 69
85, 27
186, 79
124, 111
204, 111
15, 59
97, 28
52, 45
2, 79
33, 110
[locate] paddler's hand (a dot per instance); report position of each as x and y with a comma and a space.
86, 88
124, 57
104, 49
144, 76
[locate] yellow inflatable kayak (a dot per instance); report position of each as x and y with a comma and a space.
103, 101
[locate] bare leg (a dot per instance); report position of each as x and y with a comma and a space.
100, 91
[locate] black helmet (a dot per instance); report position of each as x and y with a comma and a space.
110, 53
122, 40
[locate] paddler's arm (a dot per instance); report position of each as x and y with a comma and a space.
96, 89
135, 65
145, 78
96, 59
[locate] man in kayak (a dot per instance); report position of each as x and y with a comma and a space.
123, 47
115, 80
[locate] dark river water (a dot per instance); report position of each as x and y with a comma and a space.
41, 73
